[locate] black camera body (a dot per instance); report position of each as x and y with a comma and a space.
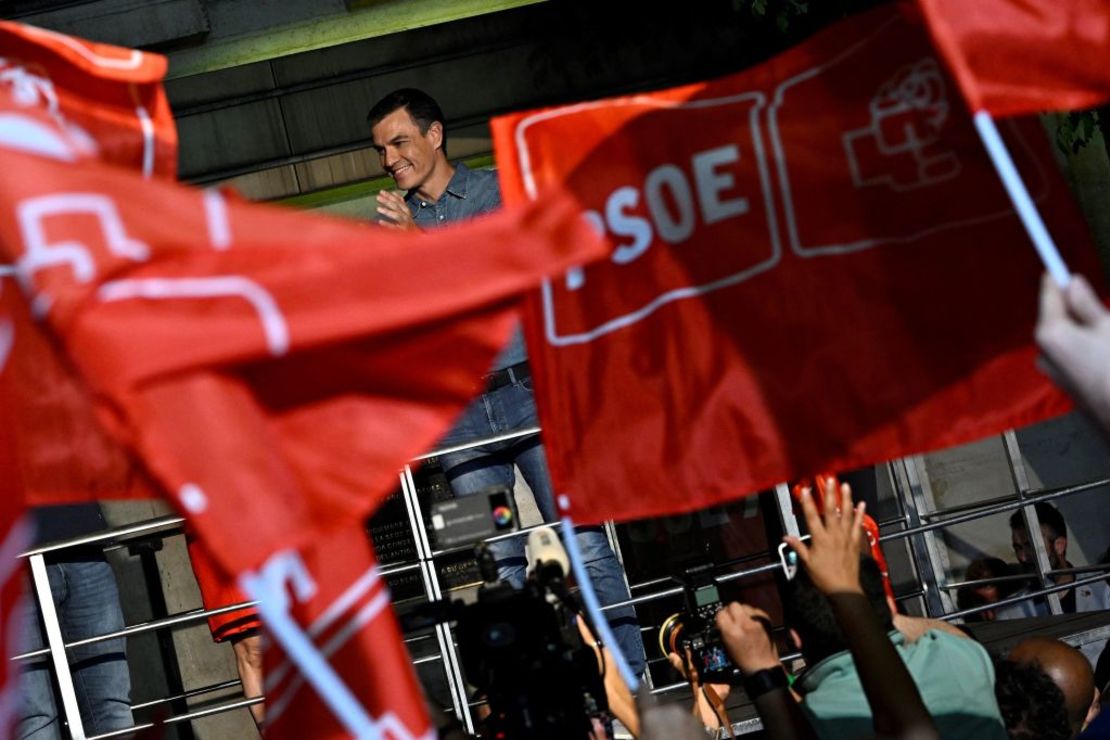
521, 649
525, 654
693, 633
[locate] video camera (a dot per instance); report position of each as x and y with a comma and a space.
695, 629
521, 648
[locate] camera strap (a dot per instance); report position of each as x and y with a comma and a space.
715, 702
718, 705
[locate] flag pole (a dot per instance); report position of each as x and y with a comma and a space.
1023, 203
593, 607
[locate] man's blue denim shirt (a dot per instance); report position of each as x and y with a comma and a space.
470, 193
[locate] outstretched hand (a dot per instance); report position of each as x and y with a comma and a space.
832, 556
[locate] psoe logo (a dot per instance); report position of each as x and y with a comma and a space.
24, 88
683, 215
901, 147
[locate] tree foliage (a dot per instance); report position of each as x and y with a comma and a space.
1076, 130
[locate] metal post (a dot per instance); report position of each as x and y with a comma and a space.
1032, 521
451, 664
913, 487
56, 643
902, 521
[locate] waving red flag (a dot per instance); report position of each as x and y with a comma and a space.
1013, 57
272, 370
813, 267
62, 97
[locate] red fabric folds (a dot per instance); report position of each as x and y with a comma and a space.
1013, 57
349, 621
270, 371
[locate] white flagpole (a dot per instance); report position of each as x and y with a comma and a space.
589, 596
1026, 209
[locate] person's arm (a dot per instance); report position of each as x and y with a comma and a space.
617, 693
832, 560
748, 641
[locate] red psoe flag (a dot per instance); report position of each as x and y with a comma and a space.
72, 101
813, 266
1013, 57
66, 98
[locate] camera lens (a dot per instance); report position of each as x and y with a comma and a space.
669, 633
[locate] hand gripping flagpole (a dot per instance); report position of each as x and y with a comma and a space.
593, 607
1026, 209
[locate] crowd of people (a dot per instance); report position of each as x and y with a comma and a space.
869, 670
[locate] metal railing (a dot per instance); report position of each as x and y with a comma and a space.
57, 648
918, 522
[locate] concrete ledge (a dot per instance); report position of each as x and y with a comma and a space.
141, 23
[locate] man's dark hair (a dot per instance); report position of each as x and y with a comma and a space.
421, 106
1048, 514
1031, 703
809, 612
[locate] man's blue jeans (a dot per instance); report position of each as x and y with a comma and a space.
507, 409
87, 600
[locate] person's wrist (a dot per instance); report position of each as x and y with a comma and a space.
765, 663
845, 588
765, 681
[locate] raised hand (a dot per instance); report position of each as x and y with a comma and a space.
394, 211
832, 555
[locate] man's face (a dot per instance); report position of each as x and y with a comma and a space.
1027, 555
406, 154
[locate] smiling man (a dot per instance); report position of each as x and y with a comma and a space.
409, 136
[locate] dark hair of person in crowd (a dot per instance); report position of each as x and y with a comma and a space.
1032, 705
969, 597
421, 106
1048, 515
810, 614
